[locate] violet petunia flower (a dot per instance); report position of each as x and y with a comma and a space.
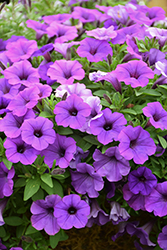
40, 28
16, 248
63, 33
107, 126
22, 49
43, 214
62, 150
162, 238
44, 90
161, 67
71, 211
4, 103
83, 14
94, 50
112, 78
65, 72
142, 180
38, 132
44, 51
22, 73
110, 164
2, 246
158, 115
79, 154
59, 18
6, 90
136, 73
158, 33
102, 33
63, 48
17, 150
72, 112
6, 182
42, 70
11, 124
117, 213
156, 202
136, 144
2, 207
24, 101
86, 180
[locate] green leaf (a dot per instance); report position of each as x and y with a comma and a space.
150, 92
99, 93
162, 141
57, 188
54, 240
13, 221
30, 230
31, 188
91, 139
21, 182
64, 131
47, 179
39, 195
2, 232
7, 163
129, 111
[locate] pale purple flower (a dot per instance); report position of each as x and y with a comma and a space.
158, 33
22, 73
24, 100
142, 180
112, 78
136, 144
107, 126
40, 28
71, 211
65, 72
6, 182
102, 33
161, 67
11, 124
17, 150
45, 90
6, 90
63, 48
79, 154
72, 112
119, 14
96, 75
118, 213
162, 238
38, 132
94, 50
158, 115
86, 180
63, 33
4, 105
59, 18
42, 70
83, 14
21, 49
43, 214
110, 164
62, 150
136, 73
44, 51
156, 202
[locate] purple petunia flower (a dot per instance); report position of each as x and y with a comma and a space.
59, 18
38, 132
6, 182
110, 164
158, 115
66, 71
62, 150
64, 48
160, 34
72, 112
22, 73
136, 73
2, 246
118, 213
102, 33
40, 28
136, 144
6, 90
71, 211
63, 33
79, 154
161, 67
42, 70
11, 124
2, 207
21, 49
156, 201
162, 238
44, 51
83, 14
24, 101
112, 78
107, 126
94, 50
17, 150
43, 214
16, 248
86, 180
141, 180
4, 103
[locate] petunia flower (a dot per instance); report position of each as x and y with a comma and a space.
110, 164
107, 126
62, 150
43, 214
136, 73
72, 112
141, 180
63, 48
2, 207
94, 50
65, 72
38, 132
86, 180
79, 154
136, 144
102, 33
40, 28
83, 14
42, 70
117, 213
6, 90
6, 182
158, 115
59, 18
71, 211
162, 238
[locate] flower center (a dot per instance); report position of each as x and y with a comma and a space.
38, 133
62, 152
93, 51
67, 75
72, 210
107, 127
20, 149
73, 112
156, 117
142, 178
132, 144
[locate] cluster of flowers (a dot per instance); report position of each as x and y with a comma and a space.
32, 117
